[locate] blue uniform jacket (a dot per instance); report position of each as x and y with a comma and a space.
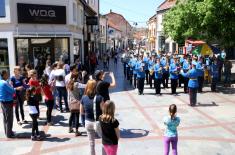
186, 66
145, 61
200, 69
150, 64
157, 71
214, 71
173, 71
140, 72
192, 74
6, 91
164, 63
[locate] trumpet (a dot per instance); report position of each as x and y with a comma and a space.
151, 72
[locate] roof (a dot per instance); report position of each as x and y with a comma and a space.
167, 4
118, 15
153, 17
111, 24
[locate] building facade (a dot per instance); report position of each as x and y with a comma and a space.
114, 37
123, 25
32, 32
103, 21
152, 33
164, 44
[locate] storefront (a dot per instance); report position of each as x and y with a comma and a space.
4, 62
40, 50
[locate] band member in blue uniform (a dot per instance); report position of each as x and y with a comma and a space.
174, 75
165, 71
192, 74
179, 63
151, 63
214, 75
158, 76
131, 65
186, 67
145, 61
135, 71
200, 68
140, 75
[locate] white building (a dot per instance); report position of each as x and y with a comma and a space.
152, 26
163, 43
39, 30
114, 36
103, 21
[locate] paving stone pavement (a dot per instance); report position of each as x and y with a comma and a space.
207, 129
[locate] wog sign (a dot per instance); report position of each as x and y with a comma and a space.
41, 14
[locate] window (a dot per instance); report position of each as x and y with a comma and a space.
74, 12
61, 49
4, 63
2, 8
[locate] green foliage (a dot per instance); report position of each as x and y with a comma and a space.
210, 20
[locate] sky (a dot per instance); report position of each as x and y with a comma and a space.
133, 10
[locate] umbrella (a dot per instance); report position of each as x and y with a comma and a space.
203, 50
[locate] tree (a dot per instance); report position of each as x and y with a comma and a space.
210, 20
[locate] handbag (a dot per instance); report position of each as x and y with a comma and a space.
74, 105
97, 125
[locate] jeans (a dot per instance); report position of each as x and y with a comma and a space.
49, 104
173, 141
186, 84
151, 77
141, 85
91, 135
63, 93
74, 117
200, 83
111, 149
213, 83
34, 124
135, 79
157, 85
147, 76
173, 85
20, 104
131, 76
227, 78
165, 78
193, 96
7, 111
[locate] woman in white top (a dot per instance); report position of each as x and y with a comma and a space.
59, 76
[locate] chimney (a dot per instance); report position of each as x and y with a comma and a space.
110, 10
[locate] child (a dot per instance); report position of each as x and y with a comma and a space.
170, 134
33, 112
109, 126
33, 82
49, 99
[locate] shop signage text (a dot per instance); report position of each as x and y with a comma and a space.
41, 14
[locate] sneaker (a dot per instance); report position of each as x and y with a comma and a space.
33, 138
38, 138
49, 124
19, 123
71, 130
77, 133
24, 121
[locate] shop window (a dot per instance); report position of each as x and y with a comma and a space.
4, 63
2, 8
74, 12
167, 47
173, 47
22, 48
61, 49
77, 51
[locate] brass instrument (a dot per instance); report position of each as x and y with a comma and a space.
151, 72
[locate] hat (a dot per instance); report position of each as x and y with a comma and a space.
98, 73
